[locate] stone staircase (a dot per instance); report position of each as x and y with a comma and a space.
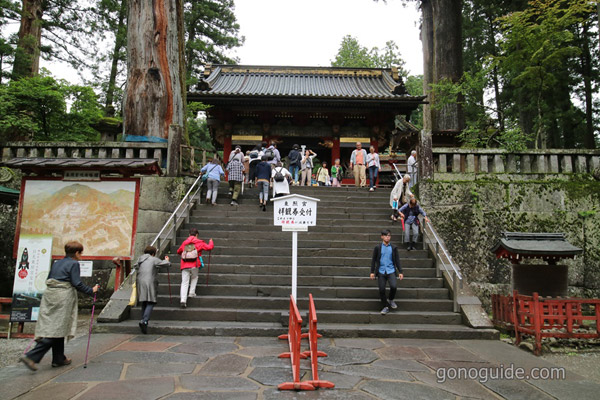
250, 275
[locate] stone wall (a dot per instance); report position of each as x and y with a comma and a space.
471, 212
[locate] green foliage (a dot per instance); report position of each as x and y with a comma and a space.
36, 108
414, 86
352, 54
198, 132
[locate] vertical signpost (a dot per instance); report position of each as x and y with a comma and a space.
295, 213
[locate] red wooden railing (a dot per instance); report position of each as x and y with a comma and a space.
293, 337
546, 317
314, 353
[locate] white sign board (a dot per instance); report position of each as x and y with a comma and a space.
85, 268
295, 211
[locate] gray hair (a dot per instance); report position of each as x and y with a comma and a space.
406, 176
413, 153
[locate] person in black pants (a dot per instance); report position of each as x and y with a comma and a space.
58, 310
384, 264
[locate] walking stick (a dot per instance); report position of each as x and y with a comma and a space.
90, 334
208, 270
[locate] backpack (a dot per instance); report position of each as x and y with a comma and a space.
254, 154
270, 154
189, 253
278, 176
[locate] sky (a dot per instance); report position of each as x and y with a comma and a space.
309, 32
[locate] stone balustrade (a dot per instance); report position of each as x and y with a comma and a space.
101, 150
498, 161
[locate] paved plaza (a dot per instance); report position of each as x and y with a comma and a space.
198, 367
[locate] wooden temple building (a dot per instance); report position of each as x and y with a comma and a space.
326, 109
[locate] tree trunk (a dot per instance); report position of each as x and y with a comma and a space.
27, 55
120, 42
586, 61
447, 60
425, 137
154, 97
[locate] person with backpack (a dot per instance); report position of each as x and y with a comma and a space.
323, 174
263, 179
306, 165
295, 159
213, 172
280, 176
147, 282
273, 155
191, 253
255, 155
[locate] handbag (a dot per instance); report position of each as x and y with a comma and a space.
133, 297
205, 176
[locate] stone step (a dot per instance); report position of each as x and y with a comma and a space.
331, 239
324, 316
217, 278
251, 210
281, 303
271, 329
275, 241
341, 293
286, 270
372, 227
364, 262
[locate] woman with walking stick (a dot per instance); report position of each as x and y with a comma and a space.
58, 310
147, 282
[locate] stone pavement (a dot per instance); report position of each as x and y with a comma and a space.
199, 367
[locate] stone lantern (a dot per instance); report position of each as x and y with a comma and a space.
547, 280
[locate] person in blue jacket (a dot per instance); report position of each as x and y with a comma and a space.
409, 213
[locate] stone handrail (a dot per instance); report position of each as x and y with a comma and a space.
103, 150
499, 161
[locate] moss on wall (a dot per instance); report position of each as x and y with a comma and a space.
470, 215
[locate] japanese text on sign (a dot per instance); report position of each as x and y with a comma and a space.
295, 212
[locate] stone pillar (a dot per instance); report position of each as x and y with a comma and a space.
498, 164
554, 164
33, 152
470, 163
525, 164
88, 153
456, 163
540, 164
483, 164
581, 165
442, 163
595, 160
567, 164
511, 164
20, 152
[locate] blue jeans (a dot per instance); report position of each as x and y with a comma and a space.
263, 191
373, 175
294, 169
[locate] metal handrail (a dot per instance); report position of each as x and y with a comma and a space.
174, 221
455, 267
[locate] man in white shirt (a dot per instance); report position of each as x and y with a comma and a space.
411, 168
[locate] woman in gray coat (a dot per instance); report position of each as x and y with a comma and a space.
147, 282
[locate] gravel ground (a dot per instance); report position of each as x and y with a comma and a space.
11, 350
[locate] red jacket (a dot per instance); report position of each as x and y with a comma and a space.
200, 245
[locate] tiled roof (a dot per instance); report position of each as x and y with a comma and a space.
533, 244
303, 82
125, 166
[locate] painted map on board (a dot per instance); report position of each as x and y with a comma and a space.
100, 215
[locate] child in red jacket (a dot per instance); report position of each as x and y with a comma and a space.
191, 251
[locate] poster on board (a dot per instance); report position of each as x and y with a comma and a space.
33, 265
102, 215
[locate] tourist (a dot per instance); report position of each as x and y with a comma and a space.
273, 155
236, 177
191, 251
373, 167
409, 213
147, 282
237, 154
214, 172
357, 165
247, 167
411, 168
401, 192
306, 165
323, 175
57, 317
384, 264
295, 159
255, 155
263, 178
281, 186
337, 174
